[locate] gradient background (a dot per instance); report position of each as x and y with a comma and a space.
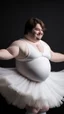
13, 16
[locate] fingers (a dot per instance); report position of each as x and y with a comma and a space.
32, 109
37, 110
44, 109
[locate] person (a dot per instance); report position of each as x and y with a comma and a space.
32, 84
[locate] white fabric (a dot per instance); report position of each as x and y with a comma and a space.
42, 113
28, 112
21, 91
36, 66
33, 113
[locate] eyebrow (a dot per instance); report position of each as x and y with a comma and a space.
38, 28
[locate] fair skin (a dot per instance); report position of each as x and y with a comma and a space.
19, 49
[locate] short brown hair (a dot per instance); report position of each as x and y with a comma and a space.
31, 23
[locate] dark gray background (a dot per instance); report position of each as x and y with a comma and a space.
13, 16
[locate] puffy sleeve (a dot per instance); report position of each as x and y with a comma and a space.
47, 50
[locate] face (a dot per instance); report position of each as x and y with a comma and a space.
37, 32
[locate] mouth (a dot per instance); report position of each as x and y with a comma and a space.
39, 34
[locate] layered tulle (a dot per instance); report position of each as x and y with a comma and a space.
20, 91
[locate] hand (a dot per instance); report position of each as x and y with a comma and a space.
32, 109
37, 110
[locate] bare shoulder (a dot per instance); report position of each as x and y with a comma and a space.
19, 43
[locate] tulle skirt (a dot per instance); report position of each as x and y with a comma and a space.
20, 91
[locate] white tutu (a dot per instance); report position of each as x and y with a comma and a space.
20, 91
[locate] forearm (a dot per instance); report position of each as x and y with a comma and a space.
5, 55
57, 57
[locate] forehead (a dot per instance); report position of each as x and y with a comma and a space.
38, 26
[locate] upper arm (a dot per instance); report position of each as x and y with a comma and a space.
18, 48
13, 49
51, 53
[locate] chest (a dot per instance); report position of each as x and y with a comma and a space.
38, 47
39, 50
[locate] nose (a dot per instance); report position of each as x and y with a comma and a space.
41, 32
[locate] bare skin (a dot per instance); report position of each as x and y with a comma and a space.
37, 110
19, 49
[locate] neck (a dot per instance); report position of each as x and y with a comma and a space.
31, 39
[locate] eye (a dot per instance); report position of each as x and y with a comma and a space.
38, 29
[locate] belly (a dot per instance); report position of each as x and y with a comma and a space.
36, 70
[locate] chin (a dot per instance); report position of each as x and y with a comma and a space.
39, 38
